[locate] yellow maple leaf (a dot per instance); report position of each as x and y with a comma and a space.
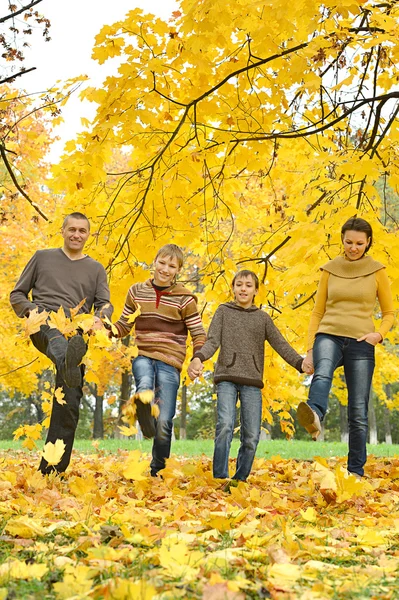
74, 311
134, 467
53, 453
58, 320
59, 396
84, 322
127, 430
35, 320
133, 317
109, 323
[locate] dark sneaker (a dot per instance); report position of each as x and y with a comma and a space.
74, 354
145, 418
309, 419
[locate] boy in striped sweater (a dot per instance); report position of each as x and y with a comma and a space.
168, 311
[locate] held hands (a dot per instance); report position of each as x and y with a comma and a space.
195, 368
307, 363
371, 338
97, 325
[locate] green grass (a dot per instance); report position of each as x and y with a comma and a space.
298, 449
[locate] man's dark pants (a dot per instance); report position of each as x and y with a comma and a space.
64, 417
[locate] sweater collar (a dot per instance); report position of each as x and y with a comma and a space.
350, 269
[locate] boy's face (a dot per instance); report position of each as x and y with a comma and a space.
165, 270
244, 291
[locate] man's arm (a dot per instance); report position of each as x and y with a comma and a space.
19, 295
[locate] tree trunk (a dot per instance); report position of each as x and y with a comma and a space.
265, 433
387, 426
373, 437
183, 414
343, 419
125, 391
98, 420
387, 416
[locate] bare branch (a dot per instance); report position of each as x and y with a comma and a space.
12, 77
18, 368
15, 181
21, 10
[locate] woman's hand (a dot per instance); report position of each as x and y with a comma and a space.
371, 338
307, 363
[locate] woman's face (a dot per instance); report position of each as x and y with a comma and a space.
355, 244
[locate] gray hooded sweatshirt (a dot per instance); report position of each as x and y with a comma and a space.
240, 333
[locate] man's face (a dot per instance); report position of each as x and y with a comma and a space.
75, 234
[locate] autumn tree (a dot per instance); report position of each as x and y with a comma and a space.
254, 130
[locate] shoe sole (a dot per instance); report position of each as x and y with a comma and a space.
74, 355
145, 418
306, 418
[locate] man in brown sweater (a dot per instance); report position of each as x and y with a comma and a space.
64, 277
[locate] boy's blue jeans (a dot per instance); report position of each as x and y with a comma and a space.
357, 358
250, 414
164, 380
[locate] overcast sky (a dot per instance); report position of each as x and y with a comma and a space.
74, 25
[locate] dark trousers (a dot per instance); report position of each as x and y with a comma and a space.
64, 417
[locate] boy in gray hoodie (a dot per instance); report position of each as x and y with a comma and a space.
240, 330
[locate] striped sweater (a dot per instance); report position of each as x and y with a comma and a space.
165, 318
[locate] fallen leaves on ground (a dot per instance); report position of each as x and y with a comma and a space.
296, 529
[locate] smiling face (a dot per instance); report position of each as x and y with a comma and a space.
244, 290
355, 244
75, 233
165, 270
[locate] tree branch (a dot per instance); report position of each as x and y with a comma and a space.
15, 181
18, 368
21, 10
12, 77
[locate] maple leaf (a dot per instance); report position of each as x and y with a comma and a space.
59, 396
53, 453
35, 320
74, 311
134, 467
110, 324
131, 318
59, 321
128, 431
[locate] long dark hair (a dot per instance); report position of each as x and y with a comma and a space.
357, 224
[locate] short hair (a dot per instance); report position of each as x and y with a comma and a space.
75, 215
358, 224
246, 273
173, 251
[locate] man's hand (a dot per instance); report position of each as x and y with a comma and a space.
97, 325
195, 368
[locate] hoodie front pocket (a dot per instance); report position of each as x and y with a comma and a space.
233, 361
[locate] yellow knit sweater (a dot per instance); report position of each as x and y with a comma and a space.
346, 298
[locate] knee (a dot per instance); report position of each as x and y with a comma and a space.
164, 430
224, 429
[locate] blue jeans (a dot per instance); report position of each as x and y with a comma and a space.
164, 380
357, 358
251, 416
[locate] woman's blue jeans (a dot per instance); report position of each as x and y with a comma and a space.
164, 381
357, 358
250, 415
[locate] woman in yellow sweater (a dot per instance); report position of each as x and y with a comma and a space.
342, 333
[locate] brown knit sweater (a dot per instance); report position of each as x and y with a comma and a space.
55, 280
240, 333
166, 317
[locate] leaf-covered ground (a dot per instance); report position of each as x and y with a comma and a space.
297, 529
